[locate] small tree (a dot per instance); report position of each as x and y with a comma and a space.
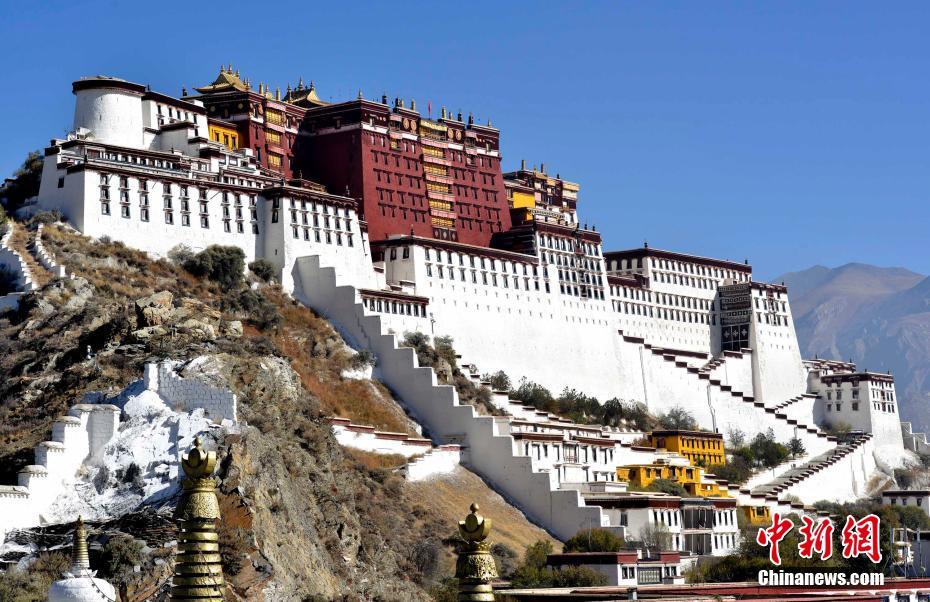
594, 540
678, 419
655, 538
796, 447
499, 380
735, 438
223, 265
263, 269
25, 182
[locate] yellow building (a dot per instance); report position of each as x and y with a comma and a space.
757, 516
689, 477
224, 134
701, 449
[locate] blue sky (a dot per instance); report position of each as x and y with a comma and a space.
786, 133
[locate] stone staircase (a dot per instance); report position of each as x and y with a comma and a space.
24, 244
775, 412
808, 469
486, 444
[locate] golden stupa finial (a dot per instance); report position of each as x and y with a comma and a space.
300, 83
80, 561
222, 68
198, 572
475, 568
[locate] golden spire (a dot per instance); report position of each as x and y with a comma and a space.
475, 568
198, 573
80, 561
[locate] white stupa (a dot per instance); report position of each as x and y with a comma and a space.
80, 585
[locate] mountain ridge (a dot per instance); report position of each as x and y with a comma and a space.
878, 317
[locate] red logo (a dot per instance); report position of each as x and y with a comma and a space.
862, 537
773, 535
816, 537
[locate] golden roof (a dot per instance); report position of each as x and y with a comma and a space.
304, 95
226, 81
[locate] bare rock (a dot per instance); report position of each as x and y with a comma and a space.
232, 328
154, 309
144, 334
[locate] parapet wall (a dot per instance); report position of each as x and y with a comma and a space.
76, 437
188, 394
11, 260
47, 259
366, 438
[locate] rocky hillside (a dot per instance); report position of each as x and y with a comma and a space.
302, 519
878, 317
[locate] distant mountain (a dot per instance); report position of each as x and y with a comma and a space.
878, 317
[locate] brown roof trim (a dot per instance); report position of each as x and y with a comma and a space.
702, 434
553, 437
178, 125
643, 252
591, 236
152, 95
848, 376
764, 286
91, 83
285, 189
399, 296
577, 558
632, 501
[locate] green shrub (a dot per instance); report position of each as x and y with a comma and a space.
736, 471
667, 486
180, 254
363, 359
223, 265
678, 419
46, 217
594, 540
25, 182
121, 554
505, 558
499, 380
263, 269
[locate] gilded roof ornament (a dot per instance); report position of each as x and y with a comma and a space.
198, 573
475, 568
80, 561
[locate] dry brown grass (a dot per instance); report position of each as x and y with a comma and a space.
450, 496
124, 272
362, 401
372, 461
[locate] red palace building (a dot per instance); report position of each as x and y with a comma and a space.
412, 175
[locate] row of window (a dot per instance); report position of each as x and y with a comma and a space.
323, 236
487, 279
562, 244
144, 216
402, 308
664, 313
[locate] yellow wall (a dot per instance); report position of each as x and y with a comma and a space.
693, 446
757, 515
690, 477
523, 200
226, 136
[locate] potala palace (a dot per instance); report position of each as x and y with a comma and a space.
387, 221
